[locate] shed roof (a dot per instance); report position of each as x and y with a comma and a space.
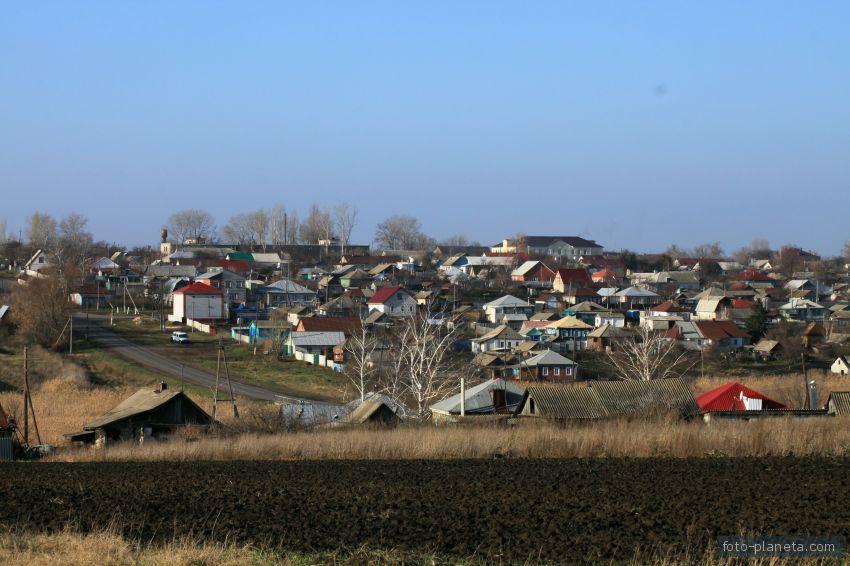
479, 399
198, 289
839, 403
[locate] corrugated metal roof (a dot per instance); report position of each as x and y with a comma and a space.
479, 399
839, 403
565, 403
317, 338
629, 397
507, 301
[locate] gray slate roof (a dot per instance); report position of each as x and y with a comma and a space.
479, 399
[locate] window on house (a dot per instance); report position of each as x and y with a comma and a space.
545, 371
557, 371
568, 370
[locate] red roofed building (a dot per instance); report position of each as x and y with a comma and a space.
604, 276
750, 275
392, 300
571, 278
736, 397
722, 333
198, 301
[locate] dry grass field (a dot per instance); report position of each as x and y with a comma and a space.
75, 549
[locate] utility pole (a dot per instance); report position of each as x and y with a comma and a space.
805, 378
71, 336
26, 397
462, 397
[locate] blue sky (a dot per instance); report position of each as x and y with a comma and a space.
638, 124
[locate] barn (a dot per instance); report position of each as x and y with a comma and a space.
147, 413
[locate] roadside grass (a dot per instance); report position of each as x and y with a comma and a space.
287, 376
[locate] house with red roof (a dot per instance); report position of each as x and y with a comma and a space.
736, 397
565, 279
392, 300
198, 301
533, 273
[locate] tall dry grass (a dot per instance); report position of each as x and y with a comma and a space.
107, 547
528, 439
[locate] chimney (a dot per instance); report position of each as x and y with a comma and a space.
813, 395
162, 386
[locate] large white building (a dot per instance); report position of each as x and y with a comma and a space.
198, 301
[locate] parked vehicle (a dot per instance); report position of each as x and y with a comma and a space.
180, 337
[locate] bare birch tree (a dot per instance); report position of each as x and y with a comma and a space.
424, 370
346, 217
646, 356
318, 225
42, 231
261, 228
277, 225
360, 367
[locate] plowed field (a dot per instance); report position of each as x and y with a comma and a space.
560, 511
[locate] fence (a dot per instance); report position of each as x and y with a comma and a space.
318, 359
209, 329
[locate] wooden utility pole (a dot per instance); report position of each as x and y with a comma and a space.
71, 336
229, 383
26, 397
28, 408
805, 379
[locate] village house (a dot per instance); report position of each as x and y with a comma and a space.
723, 334
635, 297
533, 274
508, 309
145, 414
736, 397
606, 337
567, 279
232, 284
501, 338
570, 334
392, 300
284, 293
547, 366
803, 310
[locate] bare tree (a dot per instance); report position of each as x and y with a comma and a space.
317, 226
41, 310
675, 252
240, 230
75, 242
360, 368
277, 225
346, 217
847, 251
261, 228
191, 224
709, 250
293, 227
424, 370
3, 235
42, 231
401, 232
647, 356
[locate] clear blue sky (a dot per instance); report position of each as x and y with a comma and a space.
638, 124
